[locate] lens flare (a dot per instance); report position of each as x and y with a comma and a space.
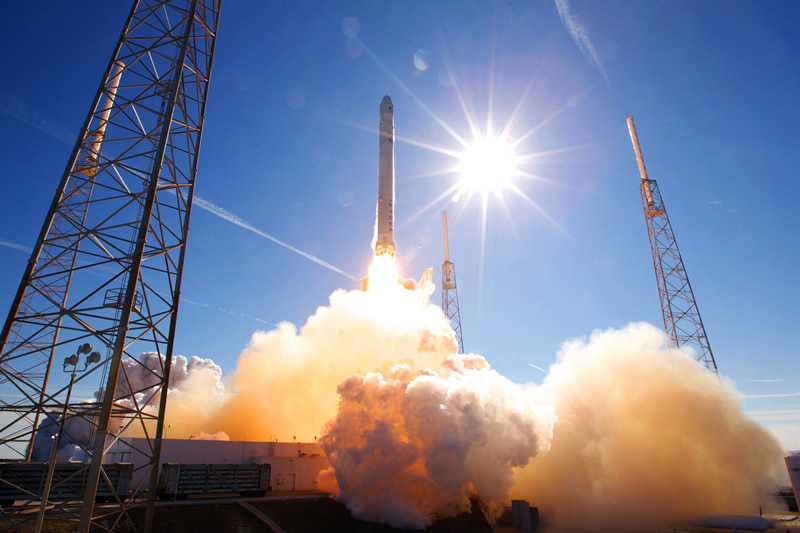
421, 60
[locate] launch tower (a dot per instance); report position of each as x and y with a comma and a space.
101, 289
682, 320
449, 291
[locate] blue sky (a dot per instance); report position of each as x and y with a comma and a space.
290, 147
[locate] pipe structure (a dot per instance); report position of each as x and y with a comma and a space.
113, 85
446, 245
639, 158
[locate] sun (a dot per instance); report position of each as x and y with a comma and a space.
487, 164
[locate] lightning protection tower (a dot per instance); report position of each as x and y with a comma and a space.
682, 320
104, 278
449, 291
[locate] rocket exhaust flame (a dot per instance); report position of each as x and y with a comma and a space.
383, 273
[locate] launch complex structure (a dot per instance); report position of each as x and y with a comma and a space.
102, 286
682, 320
450, 291
103, 280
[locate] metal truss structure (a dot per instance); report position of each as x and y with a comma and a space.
450, 301
105, 274
449, 290
682, 320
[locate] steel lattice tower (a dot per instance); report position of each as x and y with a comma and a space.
106, 268
449, 290
682, 320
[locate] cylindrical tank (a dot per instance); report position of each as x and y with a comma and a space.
793, 466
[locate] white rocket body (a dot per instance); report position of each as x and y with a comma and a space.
384, 242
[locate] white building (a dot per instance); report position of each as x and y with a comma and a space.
294, 465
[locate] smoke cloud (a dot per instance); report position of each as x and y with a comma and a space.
141, 376
286, 379
646, 437
623, 431
74, 438
411, 445
195, 385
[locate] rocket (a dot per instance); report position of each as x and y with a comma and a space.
384, 242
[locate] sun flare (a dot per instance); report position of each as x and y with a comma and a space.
488, 164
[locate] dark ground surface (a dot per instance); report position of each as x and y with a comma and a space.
293, 515
305, 516
201, 518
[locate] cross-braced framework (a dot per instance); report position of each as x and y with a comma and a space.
681, 318
449, 290
450, 301
104, 278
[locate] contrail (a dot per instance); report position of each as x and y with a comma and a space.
579, 35
224, 310
26, 114
537, 367
20, 247
776, 380
233, 219
19, 111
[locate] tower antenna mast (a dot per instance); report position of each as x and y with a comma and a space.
682, 320
449, 290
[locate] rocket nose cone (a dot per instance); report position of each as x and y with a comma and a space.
386, 100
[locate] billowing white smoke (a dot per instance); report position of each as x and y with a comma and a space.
195, 392
411, 444
74, 438
641, 435
285, 382
140, 376
646, 437
195, 384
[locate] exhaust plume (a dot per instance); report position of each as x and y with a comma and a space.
195, 385
410, 445
646, 437
286, 379
623, 431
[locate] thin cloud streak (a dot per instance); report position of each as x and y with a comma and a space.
223, 310
776, 415
579, 35
26, 114
20, 111
233, 219
776, 380
772, 395
537, 367
15, 246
